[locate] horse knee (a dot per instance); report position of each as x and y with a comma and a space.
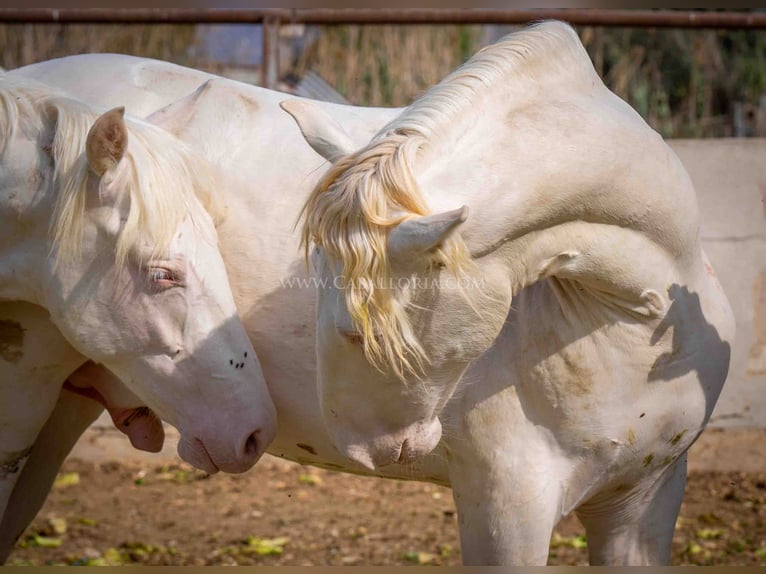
634, 524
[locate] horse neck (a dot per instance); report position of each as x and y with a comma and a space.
275, 186
532, 175
25, 218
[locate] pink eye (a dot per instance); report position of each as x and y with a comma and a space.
162, 276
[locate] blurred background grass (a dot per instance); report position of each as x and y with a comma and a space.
685, 83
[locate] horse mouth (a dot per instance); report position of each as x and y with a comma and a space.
203, 448
195, 453
406, 454
142, 426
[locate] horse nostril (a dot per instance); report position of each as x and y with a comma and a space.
251, 444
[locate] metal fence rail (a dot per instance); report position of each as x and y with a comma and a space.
329, 16
273, 18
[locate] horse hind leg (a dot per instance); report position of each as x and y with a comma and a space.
635, 527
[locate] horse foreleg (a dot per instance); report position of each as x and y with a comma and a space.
71, 416
636, 527
505, 516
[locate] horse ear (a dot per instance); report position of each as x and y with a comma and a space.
174, 117
107, 141
322, 133
420, 235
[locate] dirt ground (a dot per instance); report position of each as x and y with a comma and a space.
280, 513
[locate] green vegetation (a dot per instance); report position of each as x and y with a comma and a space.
23, 44
685, 83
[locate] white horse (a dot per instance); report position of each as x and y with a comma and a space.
584, 395
589, 342
108, 253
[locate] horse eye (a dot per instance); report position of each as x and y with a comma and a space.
157, 275
354, 337
357, 338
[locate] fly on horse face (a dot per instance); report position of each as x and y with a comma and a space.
512, 300
108, 252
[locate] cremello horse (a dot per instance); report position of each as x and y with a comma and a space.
107, 253
520, 259
584, 394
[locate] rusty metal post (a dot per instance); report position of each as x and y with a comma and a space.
270, 56
329, 16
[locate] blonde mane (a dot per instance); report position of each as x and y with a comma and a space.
165, 181
351, 210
